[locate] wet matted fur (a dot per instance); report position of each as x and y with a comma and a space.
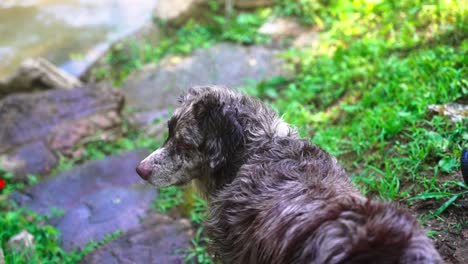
274, 197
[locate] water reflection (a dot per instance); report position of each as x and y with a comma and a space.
56, 29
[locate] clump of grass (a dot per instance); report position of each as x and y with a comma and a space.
199, 251
47, 246
168, 198
363, 93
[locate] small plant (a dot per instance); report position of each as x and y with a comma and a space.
46, 237
199, 251
453, 196
168, 198
11, 184
198, 212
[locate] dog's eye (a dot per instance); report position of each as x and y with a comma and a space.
184, 145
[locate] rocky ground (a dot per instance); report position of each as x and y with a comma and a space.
104, 196
58, 114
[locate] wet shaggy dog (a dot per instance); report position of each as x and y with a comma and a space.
273, 197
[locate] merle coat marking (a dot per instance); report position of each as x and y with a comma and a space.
273, 197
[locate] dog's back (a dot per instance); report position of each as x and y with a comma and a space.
276, 198
291, 203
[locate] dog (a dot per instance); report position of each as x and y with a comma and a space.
274, 197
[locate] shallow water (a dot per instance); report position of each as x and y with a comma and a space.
70, 33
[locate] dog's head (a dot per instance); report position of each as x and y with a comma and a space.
204, 133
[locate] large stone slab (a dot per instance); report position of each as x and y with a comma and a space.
34, 126
157, 87
68, 189
97, 198
160, 239
28, 117
32, 158
102, 213
176, 12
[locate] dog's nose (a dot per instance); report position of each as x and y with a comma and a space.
144, 170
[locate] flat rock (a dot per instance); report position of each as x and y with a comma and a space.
29, 117
32, 158
456, 111
246, 4
97, 198
80, 182
37, 74
159, 240
176, 12
156, 87
281, 27
103, 213
35, 125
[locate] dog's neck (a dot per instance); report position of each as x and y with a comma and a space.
257, 134
211, 181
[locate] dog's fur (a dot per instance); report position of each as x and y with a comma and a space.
276, 198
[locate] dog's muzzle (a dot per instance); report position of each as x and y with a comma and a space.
144, 170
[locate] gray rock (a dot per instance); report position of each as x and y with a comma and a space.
32, 158
245, 4
103, 213
176, 12
69, 188
23, 244
2, 257
61, 118
307, 39
37, 74
157, 87
159, 240
250, 3
281, 27
97, 198
456, 111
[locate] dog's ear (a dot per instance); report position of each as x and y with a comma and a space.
192, 93
220, 123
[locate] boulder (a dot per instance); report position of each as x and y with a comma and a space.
37, 74
30, 117
2, 257
97, 198
245, 4
36, 125
160, 239
456, 111
176, 12
103, 212
281, 27
156, 87
307, 39
31, 158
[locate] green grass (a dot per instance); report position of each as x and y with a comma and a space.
47, 246
363, 93
48, 250
168, 198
